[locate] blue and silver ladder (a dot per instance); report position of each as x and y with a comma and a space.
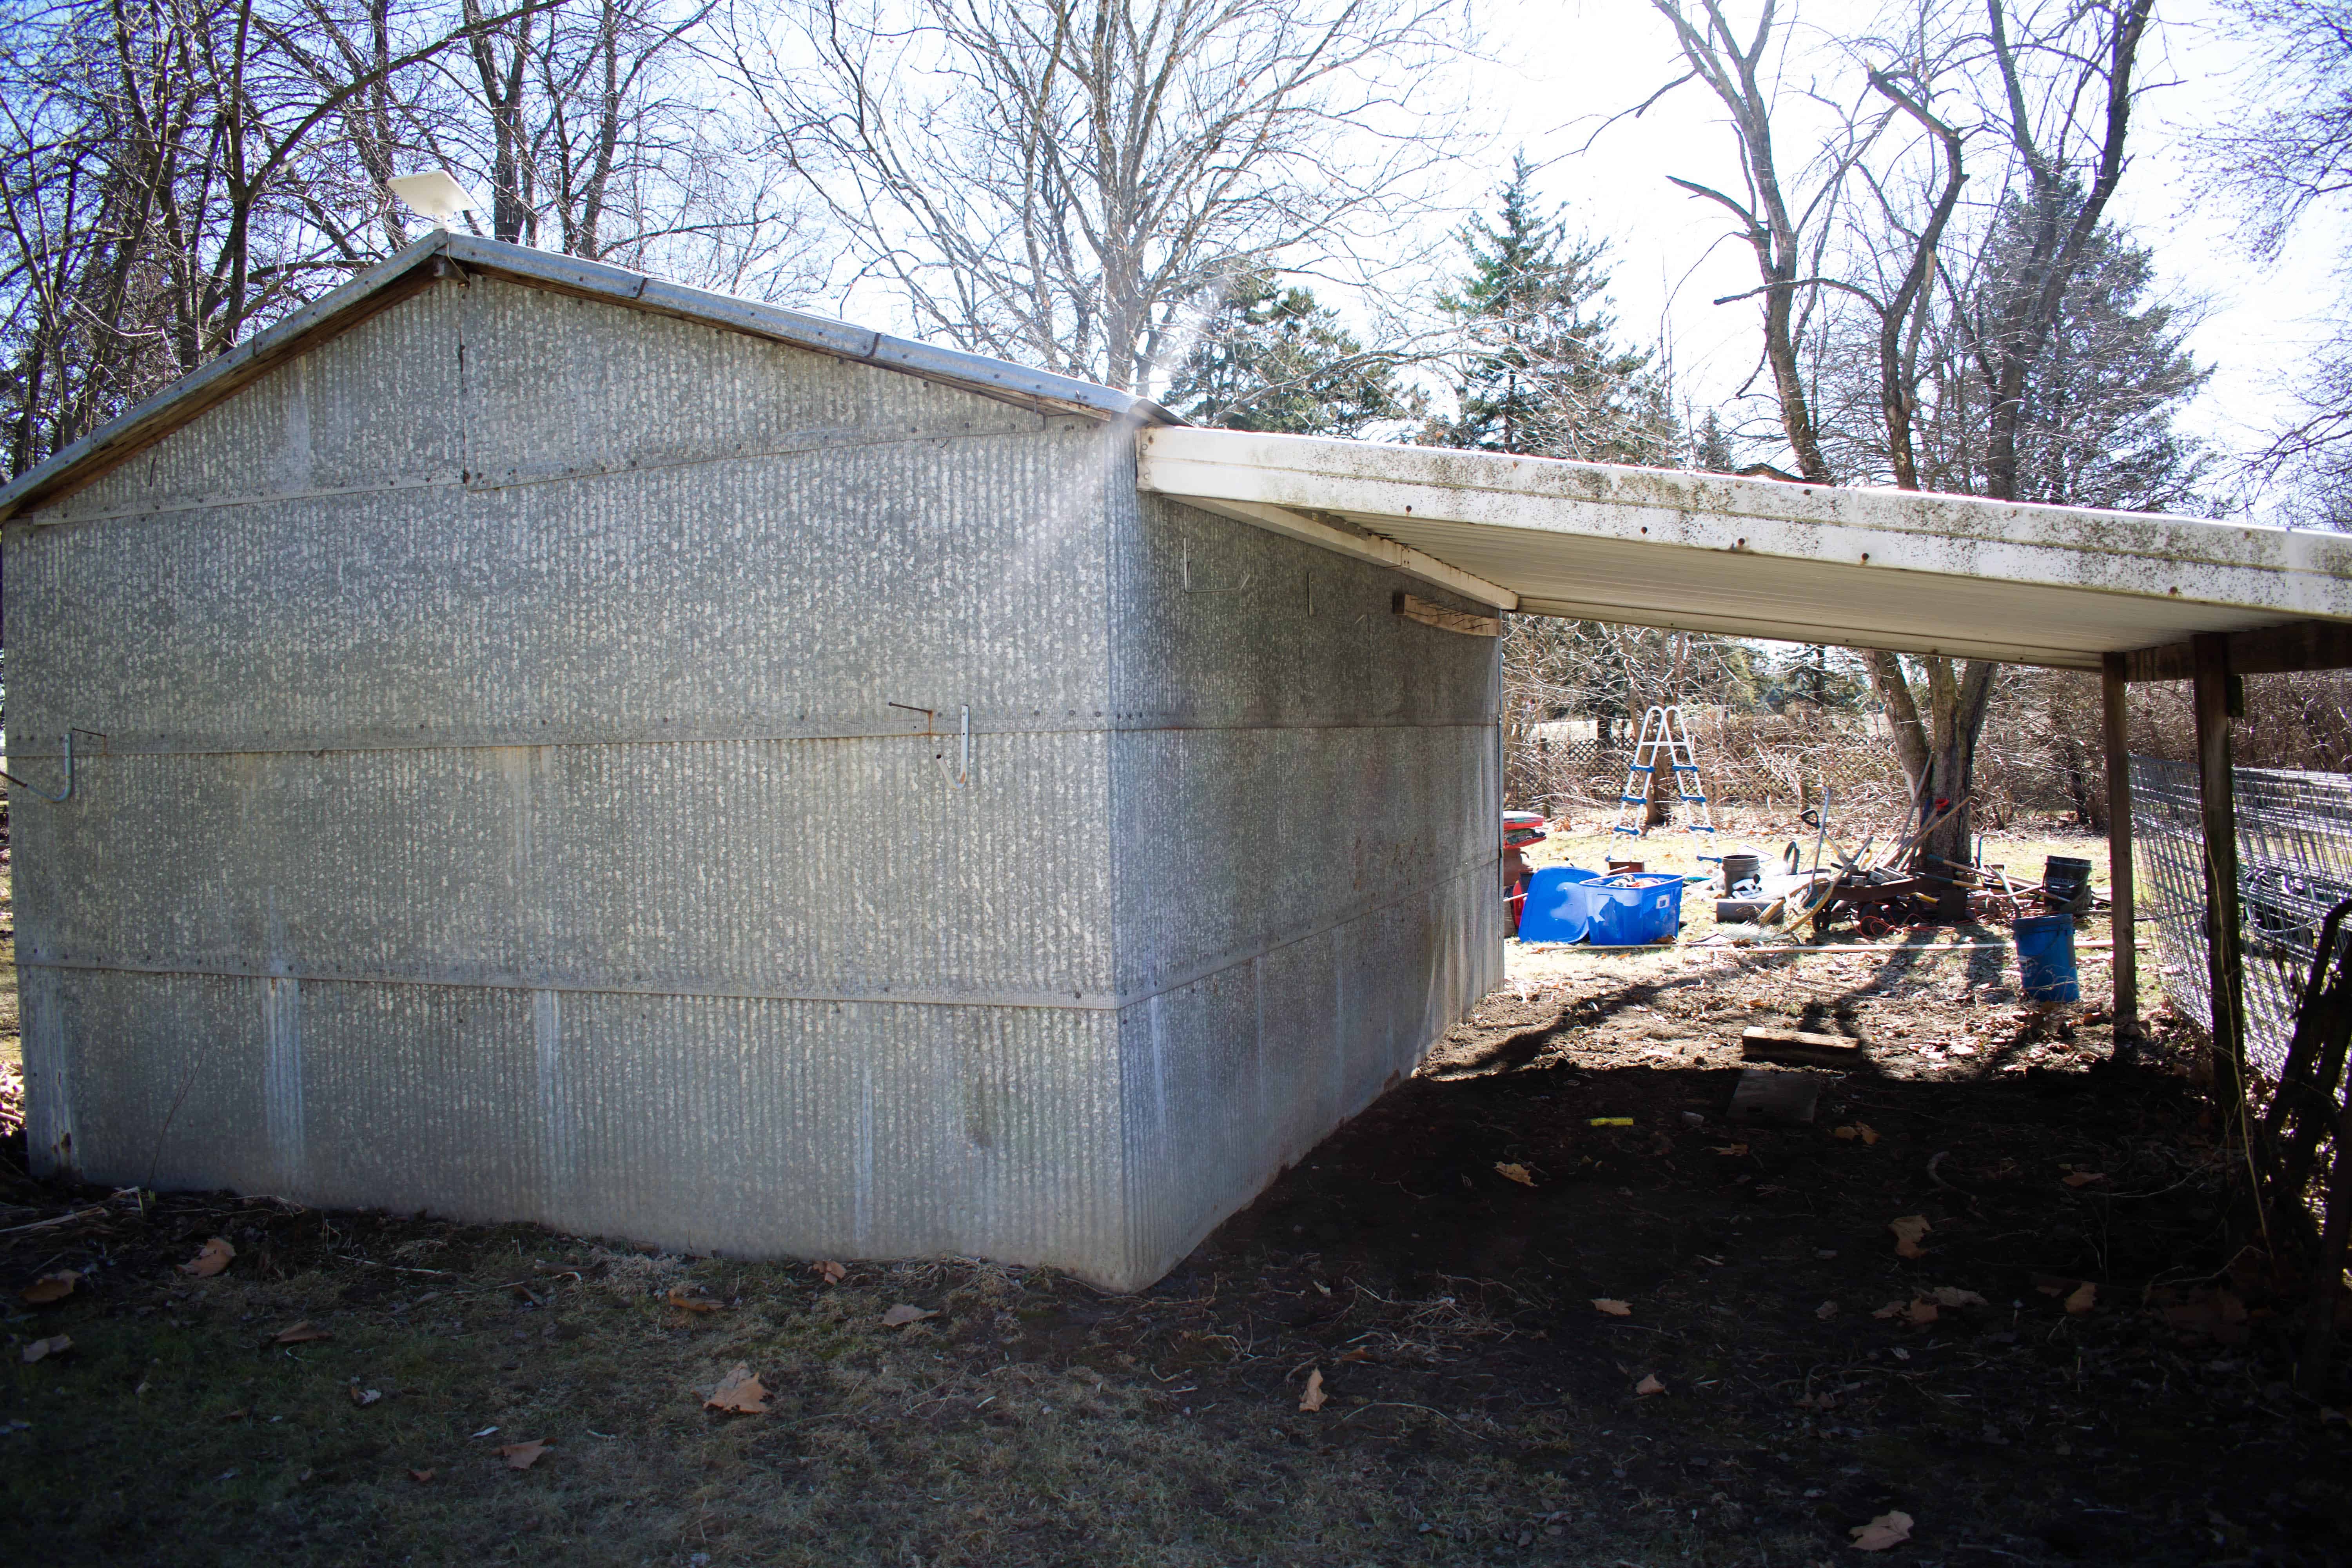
1664, 742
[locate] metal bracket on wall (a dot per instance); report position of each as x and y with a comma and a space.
60, 798
959, 776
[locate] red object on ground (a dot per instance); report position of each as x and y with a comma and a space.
1520, 828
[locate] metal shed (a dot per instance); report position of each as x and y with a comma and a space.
549, 744
545, 743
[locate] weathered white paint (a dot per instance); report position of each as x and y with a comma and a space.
1866, 568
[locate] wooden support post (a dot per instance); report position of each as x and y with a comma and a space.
2216, 793
2114, 693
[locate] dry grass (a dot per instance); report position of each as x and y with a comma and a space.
177, 1431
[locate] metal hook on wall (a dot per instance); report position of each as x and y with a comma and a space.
957, 777
58, 799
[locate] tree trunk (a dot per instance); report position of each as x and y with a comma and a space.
1937, 744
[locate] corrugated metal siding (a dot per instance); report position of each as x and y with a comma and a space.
739, 1125
1307, 878
838, 868
505, 815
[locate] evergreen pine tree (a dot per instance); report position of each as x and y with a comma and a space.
1271, 359
1540, 374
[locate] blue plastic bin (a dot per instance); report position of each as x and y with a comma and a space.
2045, 958
1559, 907
1636, 911
1566, 903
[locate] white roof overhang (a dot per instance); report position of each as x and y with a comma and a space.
1904, 569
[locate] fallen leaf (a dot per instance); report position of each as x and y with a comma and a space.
1824, 1401
1887, 1529
237, 1414
210, 1258
692, 1299
50, 1287
1953, 1296
1610, 1122
1907, 1231
1920, 1311
521, 1456
2086, 1297
1728, 1149
832, 1273
363, 1397
2085, 1178
1514, 1173
1314, 1397
899, 1316
41, 1349
301, 1334
738, 1391
1826, 1310
422, 1475
1865, 1132
1648, 1385
1615, 1308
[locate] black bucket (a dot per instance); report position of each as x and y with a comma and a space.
1739, 870
2065, 881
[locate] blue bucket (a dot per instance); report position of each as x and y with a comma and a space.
2045, 958
1636, 911
1559, 905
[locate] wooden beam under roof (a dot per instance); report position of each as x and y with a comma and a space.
2264, 650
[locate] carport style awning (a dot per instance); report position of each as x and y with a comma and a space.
1863, 568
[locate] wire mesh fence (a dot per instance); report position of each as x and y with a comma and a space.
2295, 857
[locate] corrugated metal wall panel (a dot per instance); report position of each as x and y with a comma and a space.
505, 814
553, 386
1308, 881
730, 1125
378, 405
772, 596
596, 762
781, 868
1235, 1077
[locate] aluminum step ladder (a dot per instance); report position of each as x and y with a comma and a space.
1665, 734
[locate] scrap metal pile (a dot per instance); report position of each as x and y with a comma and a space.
1878, 890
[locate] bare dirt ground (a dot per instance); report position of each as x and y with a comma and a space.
2078, 1366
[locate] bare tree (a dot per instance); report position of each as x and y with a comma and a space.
2285, 148
2060, 109
1793, 223
1071, 182
175, 175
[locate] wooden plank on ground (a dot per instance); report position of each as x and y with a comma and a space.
1798, 1045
